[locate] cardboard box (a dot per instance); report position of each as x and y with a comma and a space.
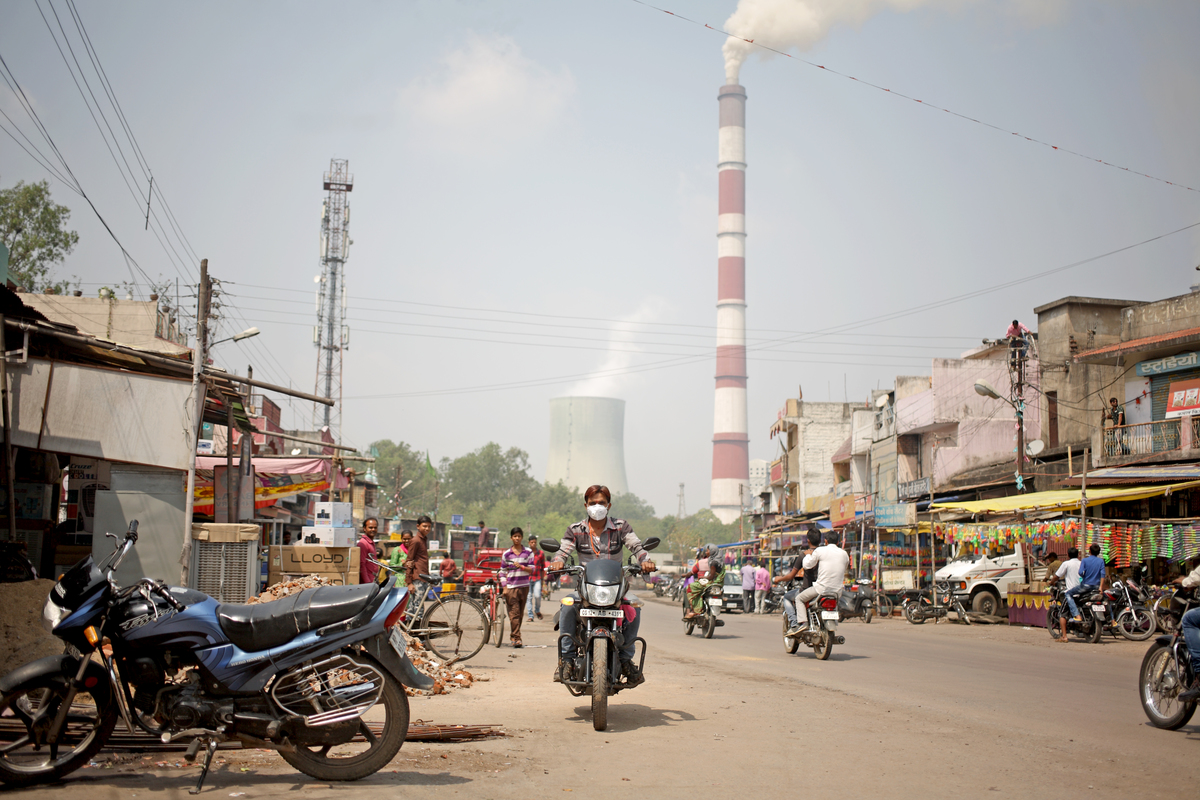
334, 515
1039, 587
306, 559
328, 537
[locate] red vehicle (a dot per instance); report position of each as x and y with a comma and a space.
479, 564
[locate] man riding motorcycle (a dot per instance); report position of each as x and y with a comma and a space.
713, 573
598, 536
831, 562
810, 577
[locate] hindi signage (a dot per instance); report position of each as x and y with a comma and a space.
896, 515
1183, 398
1169, 364
918, 488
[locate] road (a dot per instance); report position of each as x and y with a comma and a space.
899, 711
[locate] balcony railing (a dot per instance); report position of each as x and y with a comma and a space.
1143, 438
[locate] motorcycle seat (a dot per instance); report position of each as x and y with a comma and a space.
265, 625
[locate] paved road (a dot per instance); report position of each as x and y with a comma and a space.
899, 711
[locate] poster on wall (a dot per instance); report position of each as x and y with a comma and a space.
1183, 398
86, 477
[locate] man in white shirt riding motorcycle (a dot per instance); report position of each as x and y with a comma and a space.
831, 562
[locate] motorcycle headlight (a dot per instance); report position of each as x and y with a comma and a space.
52, 614
602, 595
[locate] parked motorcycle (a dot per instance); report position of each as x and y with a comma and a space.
821, 633
917, 607
1092, 613
858, 600
1166, 672
712, 604
295, 676
1126, 614
595, 668
773, 601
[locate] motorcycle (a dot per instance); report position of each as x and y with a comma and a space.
820, 634
917, 607
1166, 672
858, 600
712, 602
295, 676
774, 600
595, 668
1126, 614
1092, 612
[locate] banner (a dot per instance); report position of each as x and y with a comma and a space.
1183, 398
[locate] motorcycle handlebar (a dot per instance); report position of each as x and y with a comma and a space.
161, 590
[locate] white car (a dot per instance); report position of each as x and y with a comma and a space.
731, 593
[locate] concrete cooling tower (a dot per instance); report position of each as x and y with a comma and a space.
587, 443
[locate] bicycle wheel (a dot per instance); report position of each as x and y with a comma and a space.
497, 630
883, 605
454, 628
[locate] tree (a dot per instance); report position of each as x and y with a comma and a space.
488, 475
35, 231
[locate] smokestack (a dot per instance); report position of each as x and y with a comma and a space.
587, 443
731, 444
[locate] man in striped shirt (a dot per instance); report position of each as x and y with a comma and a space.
517, 565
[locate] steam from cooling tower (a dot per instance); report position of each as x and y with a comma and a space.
794, 24
587, 443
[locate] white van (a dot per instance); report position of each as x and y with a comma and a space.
981, 580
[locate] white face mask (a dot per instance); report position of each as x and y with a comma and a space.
597, 512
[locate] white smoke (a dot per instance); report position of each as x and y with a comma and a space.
799, 24
609, 379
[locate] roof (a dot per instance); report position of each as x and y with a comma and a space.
1062, 499
843, 452
1138, 473
1162, 340
1087, 301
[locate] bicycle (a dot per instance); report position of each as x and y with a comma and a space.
453, 628
494, 610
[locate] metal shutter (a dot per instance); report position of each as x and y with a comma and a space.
1159, 390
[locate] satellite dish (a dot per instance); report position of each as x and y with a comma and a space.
1035, 447
881, 401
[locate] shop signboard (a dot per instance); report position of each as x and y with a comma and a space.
918, 488
456, 520
1183, 398
821, 502
1175, 363
842, 511
896, 515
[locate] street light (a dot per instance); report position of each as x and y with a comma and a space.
237, 337
984, 388
406, 484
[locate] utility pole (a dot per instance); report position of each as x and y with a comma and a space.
682, 506
9, 463
199, 357
1083, 502
331, 335
396, 486
1018, 394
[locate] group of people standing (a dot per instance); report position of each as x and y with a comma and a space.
756, 582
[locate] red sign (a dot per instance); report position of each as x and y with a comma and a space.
1183, 398
842, 511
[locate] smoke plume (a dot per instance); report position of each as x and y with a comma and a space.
799, 24
610, 379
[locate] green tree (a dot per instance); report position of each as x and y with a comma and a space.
486, 476
417, 497
35, 230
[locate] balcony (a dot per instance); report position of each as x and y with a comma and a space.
1146, 438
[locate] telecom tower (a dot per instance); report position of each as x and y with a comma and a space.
331, 335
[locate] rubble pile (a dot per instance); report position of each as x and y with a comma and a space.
280, 590
446, 676
22, 637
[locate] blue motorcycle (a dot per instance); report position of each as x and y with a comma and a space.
296, 675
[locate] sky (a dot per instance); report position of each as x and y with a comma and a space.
534, 205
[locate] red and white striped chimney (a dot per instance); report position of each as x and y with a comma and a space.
731, 444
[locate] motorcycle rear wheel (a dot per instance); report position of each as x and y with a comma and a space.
824, 645
710, 626
88, 726
789, 645
1095, 631
349, 762
1158, 686
914, 614
866, 613
600, 684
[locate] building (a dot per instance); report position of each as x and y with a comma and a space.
809, 434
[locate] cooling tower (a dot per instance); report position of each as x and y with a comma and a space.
587, 443
731, 444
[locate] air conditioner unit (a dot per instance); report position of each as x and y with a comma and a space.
225, 561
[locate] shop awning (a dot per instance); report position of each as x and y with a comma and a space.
1139, 473
1062, 499
1110, 354
274, 479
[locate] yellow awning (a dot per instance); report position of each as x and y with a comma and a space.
1062, 499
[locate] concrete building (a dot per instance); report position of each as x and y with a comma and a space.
809, 434
587, 443
135, 323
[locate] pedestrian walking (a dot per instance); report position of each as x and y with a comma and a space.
748, 570
762, 585
417, 563
367, 570
534, 606
517, 566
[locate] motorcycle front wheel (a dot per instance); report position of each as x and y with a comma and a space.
789, 645
600, 684
1137, 624
35, 705
867, 611
360, 751
1159, 683
1052, 621
824, 645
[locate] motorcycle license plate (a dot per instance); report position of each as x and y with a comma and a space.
611, 613
1098, 609
715, 603
833, 615
396, 640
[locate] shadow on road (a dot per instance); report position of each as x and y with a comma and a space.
224, 778
627, 716
835, 656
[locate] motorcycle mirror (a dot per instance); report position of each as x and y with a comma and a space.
549, 545
651, 543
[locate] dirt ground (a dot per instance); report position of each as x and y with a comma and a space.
22, 638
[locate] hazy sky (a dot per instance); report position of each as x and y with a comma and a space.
535, 193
